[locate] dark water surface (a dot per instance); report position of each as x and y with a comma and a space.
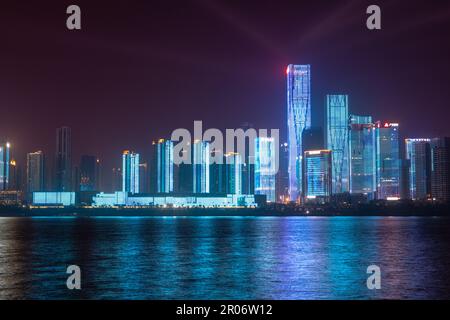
225, 258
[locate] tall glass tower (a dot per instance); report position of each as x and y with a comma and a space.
4, 165
233, 173
265, 167
317, 175
362, 156
63, 159
388, 160
337, 128
440, 169
299, 119
200, 166
163, 179
418, 152
130, 172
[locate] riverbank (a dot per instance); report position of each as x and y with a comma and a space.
408, 209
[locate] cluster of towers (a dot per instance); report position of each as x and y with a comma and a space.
58, 174
354, 155
233, 174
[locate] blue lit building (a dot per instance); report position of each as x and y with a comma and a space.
362, 156
122, 199
387, 160
337, 130
163, 167
418, 152
440, 169
282, 176
130, 172
233, 164
54, 198
4, 165
265, 167
299, 119
200, 166
317, 175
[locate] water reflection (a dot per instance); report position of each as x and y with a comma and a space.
224, 257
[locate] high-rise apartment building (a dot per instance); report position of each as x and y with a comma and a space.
440, 169
63, 164
5, 165
130, 172
233, 165
35, 171
200, 167
162, 166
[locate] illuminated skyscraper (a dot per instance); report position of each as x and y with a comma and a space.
35, 171
218, 175
282, 176
317, 175
130, 172
387, 160
337, 129
418, 152
299, 119
200, 166
143, 178
266, 167
248, 163
233, 173
162, 168
63, 167
5, 159
440, 169
362, 156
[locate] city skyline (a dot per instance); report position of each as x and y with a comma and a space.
366, 159
136, 70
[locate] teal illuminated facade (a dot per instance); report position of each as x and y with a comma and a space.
362, 156
265, 167
233, 173
299, 119
387, 160
200, 167
163, 175
418, 152
4, 165
337, 131
317, 174
130, 172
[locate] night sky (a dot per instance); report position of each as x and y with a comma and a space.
139, 69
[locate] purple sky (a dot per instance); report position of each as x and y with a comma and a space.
138, 70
